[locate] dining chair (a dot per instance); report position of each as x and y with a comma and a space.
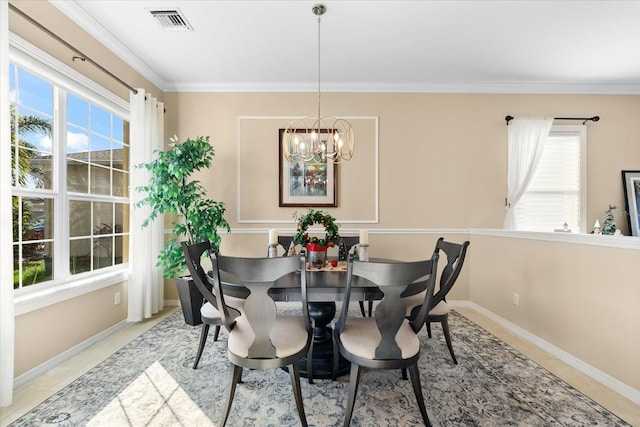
348, 242
439, 309
388, 340
285, 242
260, 338
193, 254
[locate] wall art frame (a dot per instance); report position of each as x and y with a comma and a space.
631, 185
306, 184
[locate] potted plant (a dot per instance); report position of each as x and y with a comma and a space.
316, 246
171, 190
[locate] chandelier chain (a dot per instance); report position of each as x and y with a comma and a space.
319, 59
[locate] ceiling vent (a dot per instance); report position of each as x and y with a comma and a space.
171, 19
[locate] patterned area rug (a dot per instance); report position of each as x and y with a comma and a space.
150, 382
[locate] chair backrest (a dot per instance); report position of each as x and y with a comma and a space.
455, 253
392, 278
258, 276
348, 242
285, 242
193, 255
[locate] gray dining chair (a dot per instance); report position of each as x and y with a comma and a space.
285, 242
439, 309
347, 243
260, 338
193, 255
388, 340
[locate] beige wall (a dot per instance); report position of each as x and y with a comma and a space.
443, 157
581, 298
47, 332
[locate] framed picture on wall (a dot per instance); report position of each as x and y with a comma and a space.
307, 184
631, 185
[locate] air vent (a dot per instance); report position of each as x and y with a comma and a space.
171, 20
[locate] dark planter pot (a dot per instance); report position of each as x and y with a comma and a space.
190, 300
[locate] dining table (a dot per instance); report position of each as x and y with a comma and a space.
325, 286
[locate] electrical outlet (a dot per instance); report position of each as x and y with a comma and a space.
516, 299
117, 299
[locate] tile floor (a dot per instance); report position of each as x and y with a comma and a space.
614, 402
31, 394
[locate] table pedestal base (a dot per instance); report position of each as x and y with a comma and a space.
322, 356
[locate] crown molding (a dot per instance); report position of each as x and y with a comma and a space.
74, 11
458, 88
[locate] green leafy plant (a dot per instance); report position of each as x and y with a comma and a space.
312, 217
171, 190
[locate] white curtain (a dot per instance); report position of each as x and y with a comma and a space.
7, 320
526, 140
146, 285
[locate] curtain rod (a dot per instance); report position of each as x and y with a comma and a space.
81, 56
586, 119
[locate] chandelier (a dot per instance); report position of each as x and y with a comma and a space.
318, 139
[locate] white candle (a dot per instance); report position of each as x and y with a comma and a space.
364, 237
273, 237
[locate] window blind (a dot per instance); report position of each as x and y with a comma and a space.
554, 196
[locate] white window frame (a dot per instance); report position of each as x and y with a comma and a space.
31, 298
581, 130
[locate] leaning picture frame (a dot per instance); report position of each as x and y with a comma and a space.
631, 185
306, 184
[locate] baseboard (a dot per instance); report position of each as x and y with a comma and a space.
172, 303
66, 355
605, 379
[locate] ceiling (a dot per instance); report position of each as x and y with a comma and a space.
476, 46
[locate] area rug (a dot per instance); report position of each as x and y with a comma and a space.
150, 382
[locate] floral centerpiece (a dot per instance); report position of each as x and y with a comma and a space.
313, 243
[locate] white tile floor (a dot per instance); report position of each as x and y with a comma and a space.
31, 394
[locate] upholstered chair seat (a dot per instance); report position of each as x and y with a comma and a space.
414, 301
288, 335
210, 312
440, 310
361, 337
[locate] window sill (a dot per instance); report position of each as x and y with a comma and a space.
623, 242
27, 300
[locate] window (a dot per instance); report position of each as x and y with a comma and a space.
70, 177
556, 194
